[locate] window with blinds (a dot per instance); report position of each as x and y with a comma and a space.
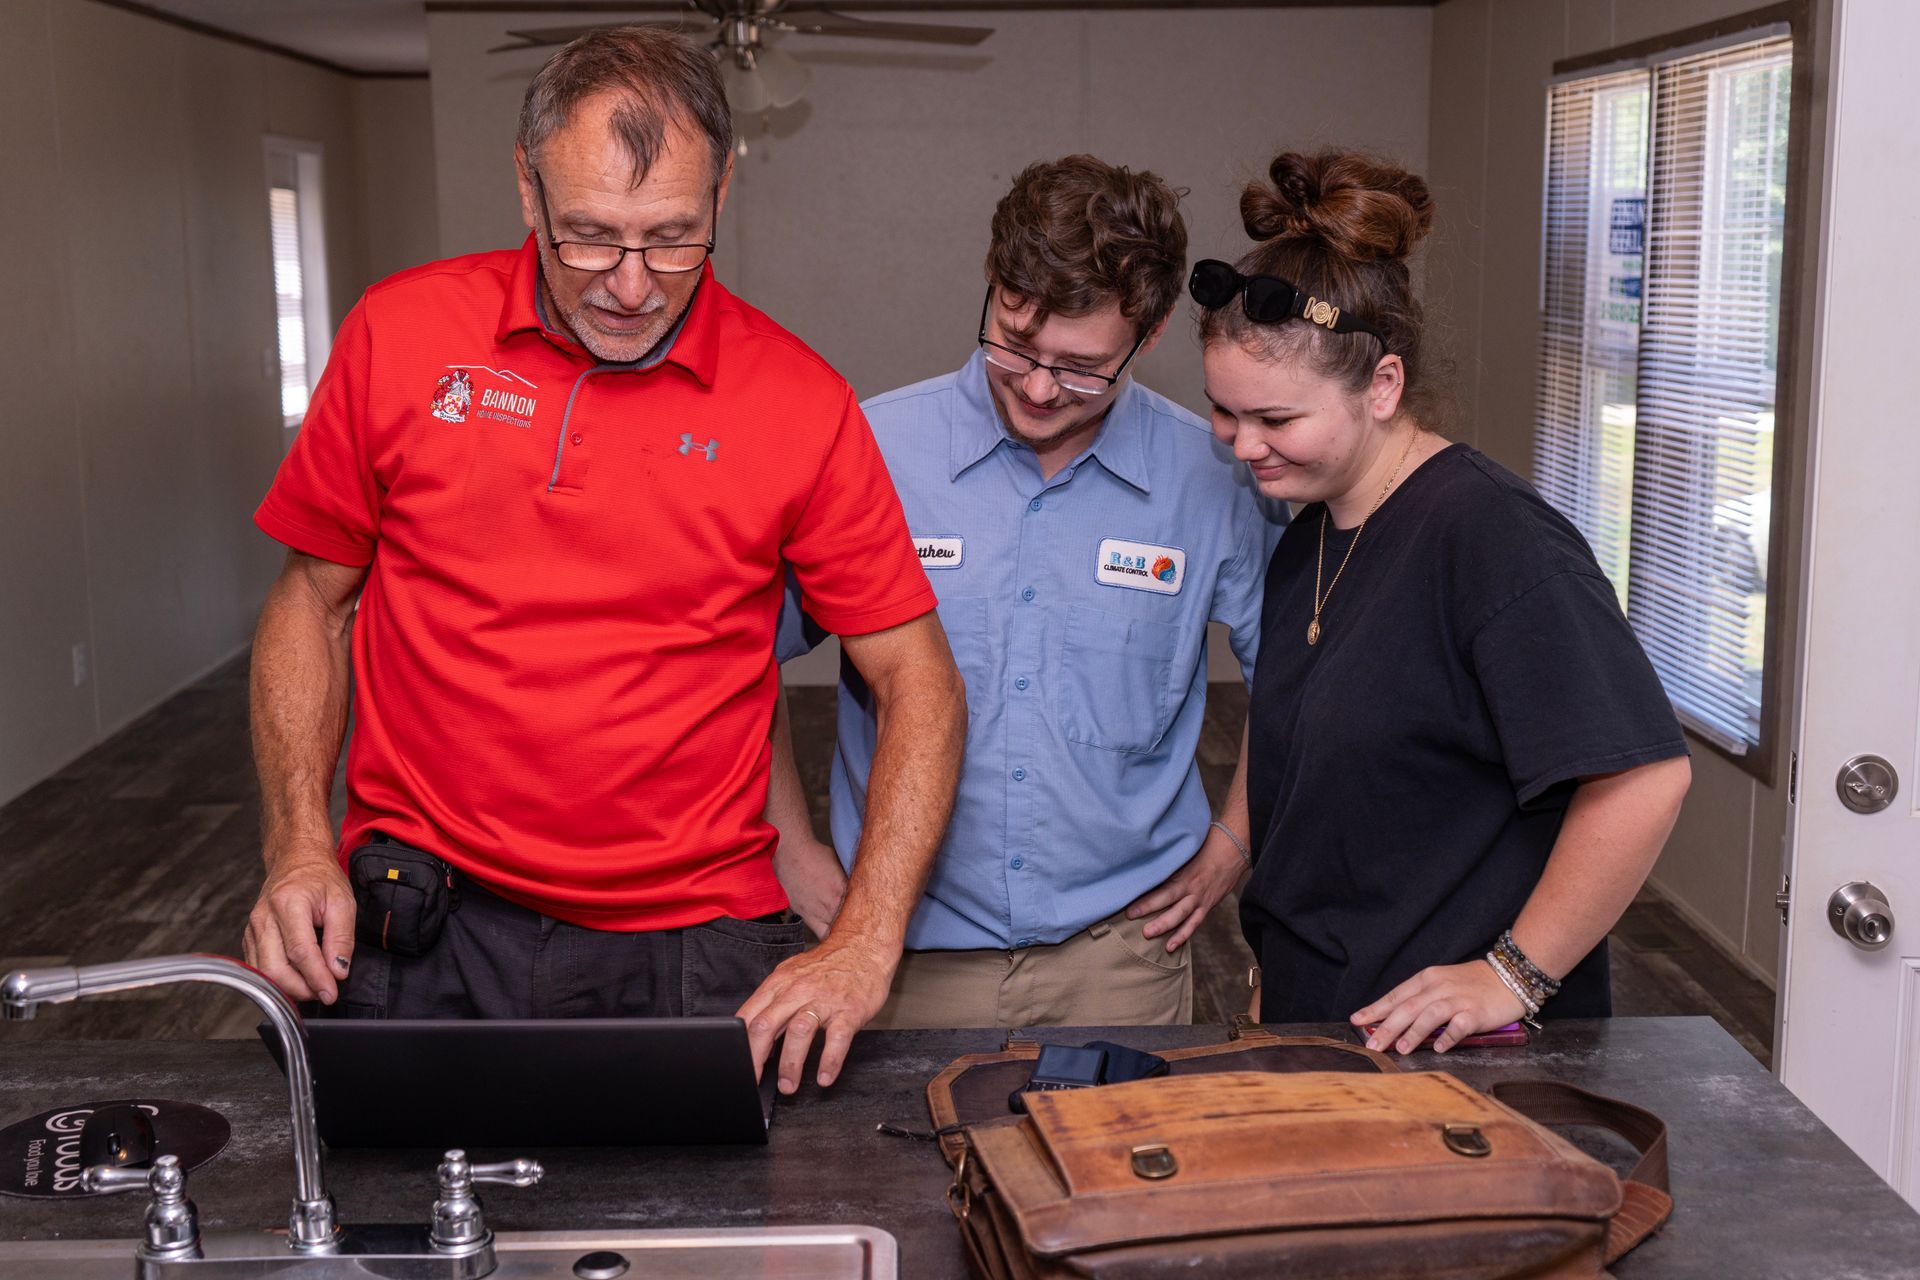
289, 301
299, 271
1665, 218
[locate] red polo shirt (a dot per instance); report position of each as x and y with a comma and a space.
564, 648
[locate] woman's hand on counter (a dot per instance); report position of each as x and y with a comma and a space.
300, 933
1461, 998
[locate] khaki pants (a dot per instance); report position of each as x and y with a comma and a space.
1106, 976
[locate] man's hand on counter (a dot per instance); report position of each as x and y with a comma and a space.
300, 934
832, 990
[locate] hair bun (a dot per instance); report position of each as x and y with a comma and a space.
1360, 208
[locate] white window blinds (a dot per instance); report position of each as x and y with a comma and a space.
1590, 300
1666, 200
289, 297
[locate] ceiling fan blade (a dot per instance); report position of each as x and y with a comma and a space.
825, 22
547, 37
746, 87
785, 76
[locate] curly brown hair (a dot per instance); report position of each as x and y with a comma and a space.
1339, 225
1076, 234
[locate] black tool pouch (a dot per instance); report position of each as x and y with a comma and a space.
403, 895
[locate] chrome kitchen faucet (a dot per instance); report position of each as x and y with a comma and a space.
457, 1245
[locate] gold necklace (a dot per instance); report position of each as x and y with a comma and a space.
1320, 564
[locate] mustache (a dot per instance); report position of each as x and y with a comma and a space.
606, 301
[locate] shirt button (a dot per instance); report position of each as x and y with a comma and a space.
1017, 863
1034, 505
1027, 593
578, 438
1021, 683
1019, 775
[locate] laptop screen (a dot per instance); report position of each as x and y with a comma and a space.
537, 1083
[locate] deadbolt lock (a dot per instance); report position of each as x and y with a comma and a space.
1867, 784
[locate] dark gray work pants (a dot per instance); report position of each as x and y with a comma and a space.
497, 959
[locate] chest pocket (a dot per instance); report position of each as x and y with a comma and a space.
1114, 689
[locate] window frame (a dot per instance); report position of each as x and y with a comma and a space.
308, 160
1791, 413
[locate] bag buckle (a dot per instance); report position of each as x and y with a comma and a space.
960, 1195
1154, 1162
1466, 1140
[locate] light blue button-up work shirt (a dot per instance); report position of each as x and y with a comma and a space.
1077, 609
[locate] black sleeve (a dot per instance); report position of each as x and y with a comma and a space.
1569, 688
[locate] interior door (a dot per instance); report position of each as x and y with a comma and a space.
1850, 1022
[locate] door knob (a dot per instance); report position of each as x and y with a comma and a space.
1859, 913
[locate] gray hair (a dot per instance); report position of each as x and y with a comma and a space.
665, 78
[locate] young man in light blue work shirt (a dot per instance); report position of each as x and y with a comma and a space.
1080, 531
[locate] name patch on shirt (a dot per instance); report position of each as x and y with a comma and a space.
1140, 566
940, 553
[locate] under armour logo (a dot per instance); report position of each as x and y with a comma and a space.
687, 446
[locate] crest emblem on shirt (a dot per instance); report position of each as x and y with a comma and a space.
452, 397
1140, 566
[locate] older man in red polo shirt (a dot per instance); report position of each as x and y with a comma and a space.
565, 483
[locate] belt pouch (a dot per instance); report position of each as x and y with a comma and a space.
403, 895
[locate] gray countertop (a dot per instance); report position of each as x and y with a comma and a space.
1761, 1187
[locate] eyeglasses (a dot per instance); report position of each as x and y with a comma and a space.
1081, 382
1268, 299
662, 259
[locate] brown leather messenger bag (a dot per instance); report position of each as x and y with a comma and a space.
1288, 1157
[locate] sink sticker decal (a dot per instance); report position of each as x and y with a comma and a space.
41, 1156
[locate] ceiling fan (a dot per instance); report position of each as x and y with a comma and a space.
759, 76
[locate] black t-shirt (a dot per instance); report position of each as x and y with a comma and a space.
1408, 775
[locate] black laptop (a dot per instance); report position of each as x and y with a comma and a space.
542, 1083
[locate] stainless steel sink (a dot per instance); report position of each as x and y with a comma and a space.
743, 1253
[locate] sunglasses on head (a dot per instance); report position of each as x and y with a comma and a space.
1268, 299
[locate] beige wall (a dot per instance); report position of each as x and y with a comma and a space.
399, 196
1492, 62
860, 219
141, 419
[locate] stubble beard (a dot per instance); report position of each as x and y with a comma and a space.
625, 348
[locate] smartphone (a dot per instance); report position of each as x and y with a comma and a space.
1498, 1038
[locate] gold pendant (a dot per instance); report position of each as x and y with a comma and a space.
1313, 632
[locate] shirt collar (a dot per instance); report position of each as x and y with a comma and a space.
1120, 445
693, 343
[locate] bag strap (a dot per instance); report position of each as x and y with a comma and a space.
1646, 1201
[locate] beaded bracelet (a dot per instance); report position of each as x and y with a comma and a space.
1519, 991
1526, 970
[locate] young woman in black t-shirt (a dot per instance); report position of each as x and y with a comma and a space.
1462, 765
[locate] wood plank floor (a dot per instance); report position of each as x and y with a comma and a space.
148, 845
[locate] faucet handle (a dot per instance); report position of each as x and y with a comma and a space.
173, 1224
458, 1224
509, 1173
457, 1174
110, 1179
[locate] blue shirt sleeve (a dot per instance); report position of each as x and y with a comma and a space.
1237, 592
796, 633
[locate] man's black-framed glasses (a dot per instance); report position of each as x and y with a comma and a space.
1268, 299
590, 255
1080, 382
